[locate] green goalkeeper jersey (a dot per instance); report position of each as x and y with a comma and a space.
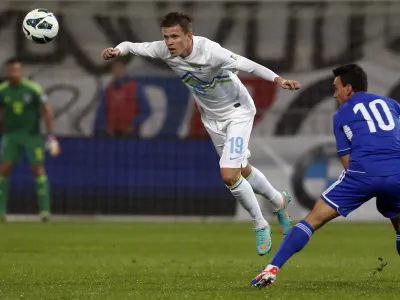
22, 106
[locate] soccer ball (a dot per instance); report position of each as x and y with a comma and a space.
40, 26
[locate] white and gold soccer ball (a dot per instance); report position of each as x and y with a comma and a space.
40, 26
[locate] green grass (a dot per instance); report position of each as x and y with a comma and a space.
190, 261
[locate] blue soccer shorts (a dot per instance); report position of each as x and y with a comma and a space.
353, 189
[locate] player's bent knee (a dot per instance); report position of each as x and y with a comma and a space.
230, 176
396, 223
246, 171
321, 214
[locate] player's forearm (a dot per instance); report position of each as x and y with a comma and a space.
133, 48
48, 117
125, 48
345, 161
249, 66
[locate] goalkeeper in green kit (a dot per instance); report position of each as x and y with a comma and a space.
23, 104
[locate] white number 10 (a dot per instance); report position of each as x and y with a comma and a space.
377, 115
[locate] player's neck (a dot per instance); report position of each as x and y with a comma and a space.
15, 83
188, 50
348, 98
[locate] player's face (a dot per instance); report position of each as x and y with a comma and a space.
178, 42
14, 72
342, 93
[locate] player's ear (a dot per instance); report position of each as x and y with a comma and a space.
349, 89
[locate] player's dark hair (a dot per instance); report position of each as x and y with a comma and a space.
12, 60
177, 18
354, 75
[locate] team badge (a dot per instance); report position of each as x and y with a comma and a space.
27, 98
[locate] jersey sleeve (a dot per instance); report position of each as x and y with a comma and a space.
397, 108
40, 95
226, 59
343, 145
156, 49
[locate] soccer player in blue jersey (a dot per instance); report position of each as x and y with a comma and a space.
367, 132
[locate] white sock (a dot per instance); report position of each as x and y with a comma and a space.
261, 186
270, 267
243, 193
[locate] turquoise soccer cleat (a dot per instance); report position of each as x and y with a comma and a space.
263, 240
283, 215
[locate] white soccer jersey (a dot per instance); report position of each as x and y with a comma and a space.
210, 73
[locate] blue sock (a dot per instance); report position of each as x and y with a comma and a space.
296, 239
398, 241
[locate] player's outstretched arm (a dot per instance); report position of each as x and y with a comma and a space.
249, 66
154, 50
227, 60
287, 84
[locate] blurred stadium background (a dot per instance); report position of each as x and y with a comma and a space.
166, 166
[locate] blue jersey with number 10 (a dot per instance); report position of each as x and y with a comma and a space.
367, 127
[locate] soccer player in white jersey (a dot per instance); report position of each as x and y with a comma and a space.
226, 108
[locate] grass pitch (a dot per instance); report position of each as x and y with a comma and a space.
190, 261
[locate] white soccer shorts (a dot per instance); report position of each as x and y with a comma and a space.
231, 140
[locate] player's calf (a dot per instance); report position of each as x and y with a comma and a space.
5, 172
243, 193
262, 186
279, 201
321, 214
42, 190
396, 225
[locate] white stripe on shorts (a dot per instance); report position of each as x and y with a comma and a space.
341, 177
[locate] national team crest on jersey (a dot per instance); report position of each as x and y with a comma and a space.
200, 85
27, 98
198, 89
